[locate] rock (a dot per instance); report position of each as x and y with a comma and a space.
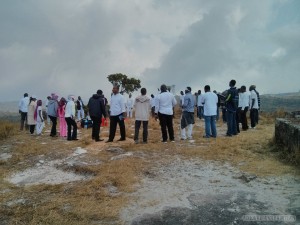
41, 161
20, 201
118, 157
5, 156
79, 151
115, 150
245, 177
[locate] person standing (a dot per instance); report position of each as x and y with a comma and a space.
70, 119
210, 101
46, 104
165, 102
231, 108
181, 98
80, 108
129, 106
52, 113
23, 110
200, 105
187, 118
38, 117
96, 108
61, 114
142, 112
244, 99
152, 104
117, 115
258, 102
253, 106
30, 115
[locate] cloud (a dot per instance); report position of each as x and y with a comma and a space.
71, 46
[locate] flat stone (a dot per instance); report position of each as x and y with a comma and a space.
116, 150
118, 157
5, 156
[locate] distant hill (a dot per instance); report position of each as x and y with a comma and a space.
287, 101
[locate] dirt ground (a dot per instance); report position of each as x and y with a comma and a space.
225, 180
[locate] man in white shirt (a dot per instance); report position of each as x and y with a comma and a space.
70, 119
244, 100
117, 115
80, 108
210, 101
165, 102
253, 106
129, 106
142, 113
23, 109
181, 98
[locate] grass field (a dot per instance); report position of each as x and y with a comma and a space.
91, 201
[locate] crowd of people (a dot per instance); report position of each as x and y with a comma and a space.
234, 104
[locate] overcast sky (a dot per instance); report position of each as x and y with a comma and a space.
70, 46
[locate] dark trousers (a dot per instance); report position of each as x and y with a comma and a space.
253, 117
137, 129
166, 121
231, 123
23, 119
238, 120
224, 116
243, 117
31, 128
96, 127
71, 123
114, 121
54, 123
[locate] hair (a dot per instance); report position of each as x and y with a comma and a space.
181, 92
25, 95
143, 91
207, 88
116, 86
99, 92
152, 96
232, 83
163, 88
243, 88
199, 92
189, 89
48, 97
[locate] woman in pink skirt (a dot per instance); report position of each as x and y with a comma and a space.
61, 115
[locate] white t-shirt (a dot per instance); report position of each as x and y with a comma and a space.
117, 104
200, 100
244, 100
210, 101
164, 103
253, 95
39, 109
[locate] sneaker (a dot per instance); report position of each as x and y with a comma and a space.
136, 141
173, 141
165, 142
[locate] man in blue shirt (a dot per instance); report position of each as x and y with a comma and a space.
187, 119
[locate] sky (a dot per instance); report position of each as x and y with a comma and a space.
71, 46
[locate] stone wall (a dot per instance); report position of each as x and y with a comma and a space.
287, 136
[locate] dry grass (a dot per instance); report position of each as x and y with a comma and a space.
90, 201
7, 129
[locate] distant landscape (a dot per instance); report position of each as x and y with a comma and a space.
288, 102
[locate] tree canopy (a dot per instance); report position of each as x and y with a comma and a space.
127, 84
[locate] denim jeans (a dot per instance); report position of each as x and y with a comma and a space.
231, 123
210, 126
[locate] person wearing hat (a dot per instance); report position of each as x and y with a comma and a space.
253, 106
187, 118
30, 115
70, 119
52, 113
23, 109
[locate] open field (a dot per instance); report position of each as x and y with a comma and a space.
46, 180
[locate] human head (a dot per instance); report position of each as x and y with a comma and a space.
33, 97
243, 89
54, 96
25, 95
62, 102
39, 103
143, 91
116, 89
252, 87
130, 95
163, 88
181, 92
152, 96
79, 98
232, 83
99, 92
48, 97
207, 88
188, 89
199, 92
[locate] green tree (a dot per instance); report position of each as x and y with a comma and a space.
127, 85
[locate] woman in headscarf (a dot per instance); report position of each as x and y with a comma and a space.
70, 119
38, 117
30, 115
61, 115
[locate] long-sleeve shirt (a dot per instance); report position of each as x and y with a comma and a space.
117, 104
70, 109
165, 103
188, 103
244, 100
23, 104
